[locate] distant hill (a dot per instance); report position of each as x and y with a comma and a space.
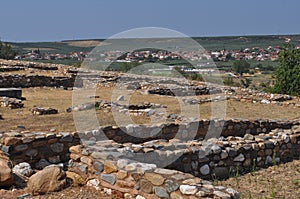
209, 43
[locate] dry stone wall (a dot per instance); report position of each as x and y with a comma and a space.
144, 180
38, 148
234, 127
136, 169
23, 81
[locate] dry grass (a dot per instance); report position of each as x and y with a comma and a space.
62, 99
282, 181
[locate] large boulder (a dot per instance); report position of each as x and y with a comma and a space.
51, 178
6, 177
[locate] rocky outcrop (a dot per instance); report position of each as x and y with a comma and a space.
50, 179
6, 177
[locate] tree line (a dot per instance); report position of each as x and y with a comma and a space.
6, 51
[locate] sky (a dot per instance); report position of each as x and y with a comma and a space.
56, 20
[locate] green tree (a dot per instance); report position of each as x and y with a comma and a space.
6, 51
241, 66
287, 74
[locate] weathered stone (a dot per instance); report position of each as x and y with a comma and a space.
155, 179
11, 141
175, 195
205, 170
188, 189
161, 192
201, 194
233, 192
130, 167
222, 195
54, 159
75, 157
109, 167
216, 149
98, 166
171, 185
83, 168
23, 169
86, 160
93, 183
66, 137
121, 163
224, 155
57, 147
21, 147
50, 179
109, 178
99, 155
192, 181
180, 176
75, 149
42, 164
231, 151
146, 186
31, 153
121, 174
6, 178
239, 158
139, 197
77, 179
221, 172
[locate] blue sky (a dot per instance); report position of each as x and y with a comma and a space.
56, 20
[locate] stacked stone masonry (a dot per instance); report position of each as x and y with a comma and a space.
137, 168
24, 81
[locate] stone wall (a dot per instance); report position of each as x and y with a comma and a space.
200, 128
24, 81
126, 178
222, 158
135, 168
38, 148
138, 168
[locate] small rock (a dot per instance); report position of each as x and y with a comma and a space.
130, 167
57, 147
42, 164
121, 174
146, 186
233, 192
93, 183
171, 185
239, 158
77, 179
155, 179
110, 178
175, 195
109, 167
98, 166
140, 197
121, 163
205, 170
161, 192
188, 190
23, 169
222, 195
